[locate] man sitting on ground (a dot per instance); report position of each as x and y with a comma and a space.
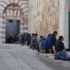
60, 50
51, 41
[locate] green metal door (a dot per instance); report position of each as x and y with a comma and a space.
12, 30
69, 28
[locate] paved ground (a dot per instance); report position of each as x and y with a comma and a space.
16, 57
55, 64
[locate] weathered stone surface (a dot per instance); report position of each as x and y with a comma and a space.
14, 10
44, 16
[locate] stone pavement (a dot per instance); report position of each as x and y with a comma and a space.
49, 60
16, 57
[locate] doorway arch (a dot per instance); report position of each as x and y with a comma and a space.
12, 21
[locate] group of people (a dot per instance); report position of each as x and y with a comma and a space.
24, 38
46, 45
53, 45
50, 45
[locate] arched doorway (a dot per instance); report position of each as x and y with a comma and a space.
12, 16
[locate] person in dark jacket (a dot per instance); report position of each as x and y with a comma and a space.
29, 39
52, 40
34, 42
60, 50
59, 44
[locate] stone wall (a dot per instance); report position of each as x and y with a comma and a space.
43, 16
21, 13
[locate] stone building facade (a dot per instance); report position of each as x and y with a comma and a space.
13, 10
44, 16
36, 16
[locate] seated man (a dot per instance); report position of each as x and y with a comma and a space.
43, 45
34, 42
60, 50
51, 41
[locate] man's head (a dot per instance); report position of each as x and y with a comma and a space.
32, 34
55, 33
41, 36
36, 34
61, 38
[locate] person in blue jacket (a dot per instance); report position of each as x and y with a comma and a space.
51, 41
44, 44
41, 42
